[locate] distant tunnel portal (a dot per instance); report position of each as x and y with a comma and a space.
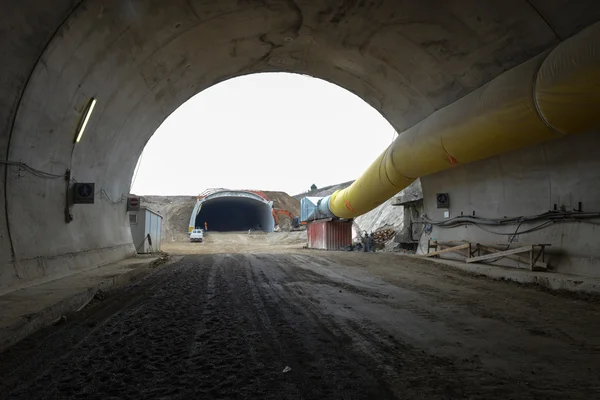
229, 214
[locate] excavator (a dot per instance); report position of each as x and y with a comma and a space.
295, 221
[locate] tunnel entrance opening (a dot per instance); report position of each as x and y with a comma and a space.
231, 214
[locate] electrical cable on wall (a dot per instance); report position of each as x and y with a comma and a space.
535, 228
549, 218
104, 195
33, 171
554, 216
512, 238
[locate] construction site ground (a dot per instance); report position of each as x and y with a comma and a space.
258, 317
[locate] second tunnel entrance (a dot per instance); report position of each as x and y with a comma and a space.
234, 212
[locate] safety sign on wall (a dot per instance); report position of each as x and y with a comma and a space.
133, 203
83, 193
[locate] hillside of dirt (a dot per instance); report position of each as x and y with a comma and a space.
284, 201
176, 212
387, 215
384, 216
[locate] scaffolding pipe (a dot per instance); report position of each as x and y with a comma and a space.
551, 96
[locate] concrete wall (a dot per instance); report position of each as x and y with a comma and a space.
528, 182
25, 28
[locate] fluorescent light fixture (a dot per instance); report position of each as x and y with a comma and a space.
88, 114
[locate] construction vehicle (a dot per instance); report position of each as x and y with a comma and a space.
295, 222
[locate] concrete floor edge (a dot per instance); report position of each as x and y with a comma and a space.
548, 280
39, 270
25, 325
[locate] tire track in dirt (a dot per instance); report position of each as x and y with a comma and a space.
390, 356
225, 326
317, 347
438, 311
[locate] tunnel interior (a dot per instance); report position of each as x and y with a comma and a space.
142, 59
230, 214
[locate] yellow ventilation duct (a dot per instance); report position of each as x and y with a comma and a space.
551, 96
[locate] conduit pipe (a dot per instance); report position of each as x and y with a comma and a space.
551, 96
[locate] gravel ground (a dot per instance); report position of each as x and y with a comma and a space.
348, 325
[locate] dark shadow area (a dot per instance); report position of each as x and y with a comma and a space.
235, 214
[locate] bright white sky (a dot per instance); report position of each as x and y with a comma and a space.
271, 131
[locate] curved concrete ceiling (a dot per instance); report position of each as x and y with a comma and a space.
142, 58
234, 193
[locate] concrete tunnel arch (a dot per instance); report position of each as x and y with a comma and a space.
142, 59
230, 211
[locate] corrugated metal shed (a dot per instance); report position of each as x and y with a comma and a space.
329, 235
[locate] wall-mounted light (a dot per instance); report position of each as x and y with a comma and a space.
86, 117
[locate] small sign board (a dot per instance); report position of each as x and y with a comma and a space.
133, 204
83, 193
443, 200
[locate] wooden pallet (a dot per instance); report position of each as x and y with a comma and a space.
536, 251
535, 261
444, 248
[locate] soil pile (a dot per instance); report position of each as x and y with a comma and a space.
176, 212
383, 216
284, 201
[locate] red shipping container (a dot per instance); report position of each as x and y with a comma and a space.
329, 235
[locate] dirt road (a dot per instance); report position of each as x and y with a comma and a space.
348, 325
241, 242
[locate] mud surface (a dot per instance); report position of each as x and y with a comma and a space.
349, 325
